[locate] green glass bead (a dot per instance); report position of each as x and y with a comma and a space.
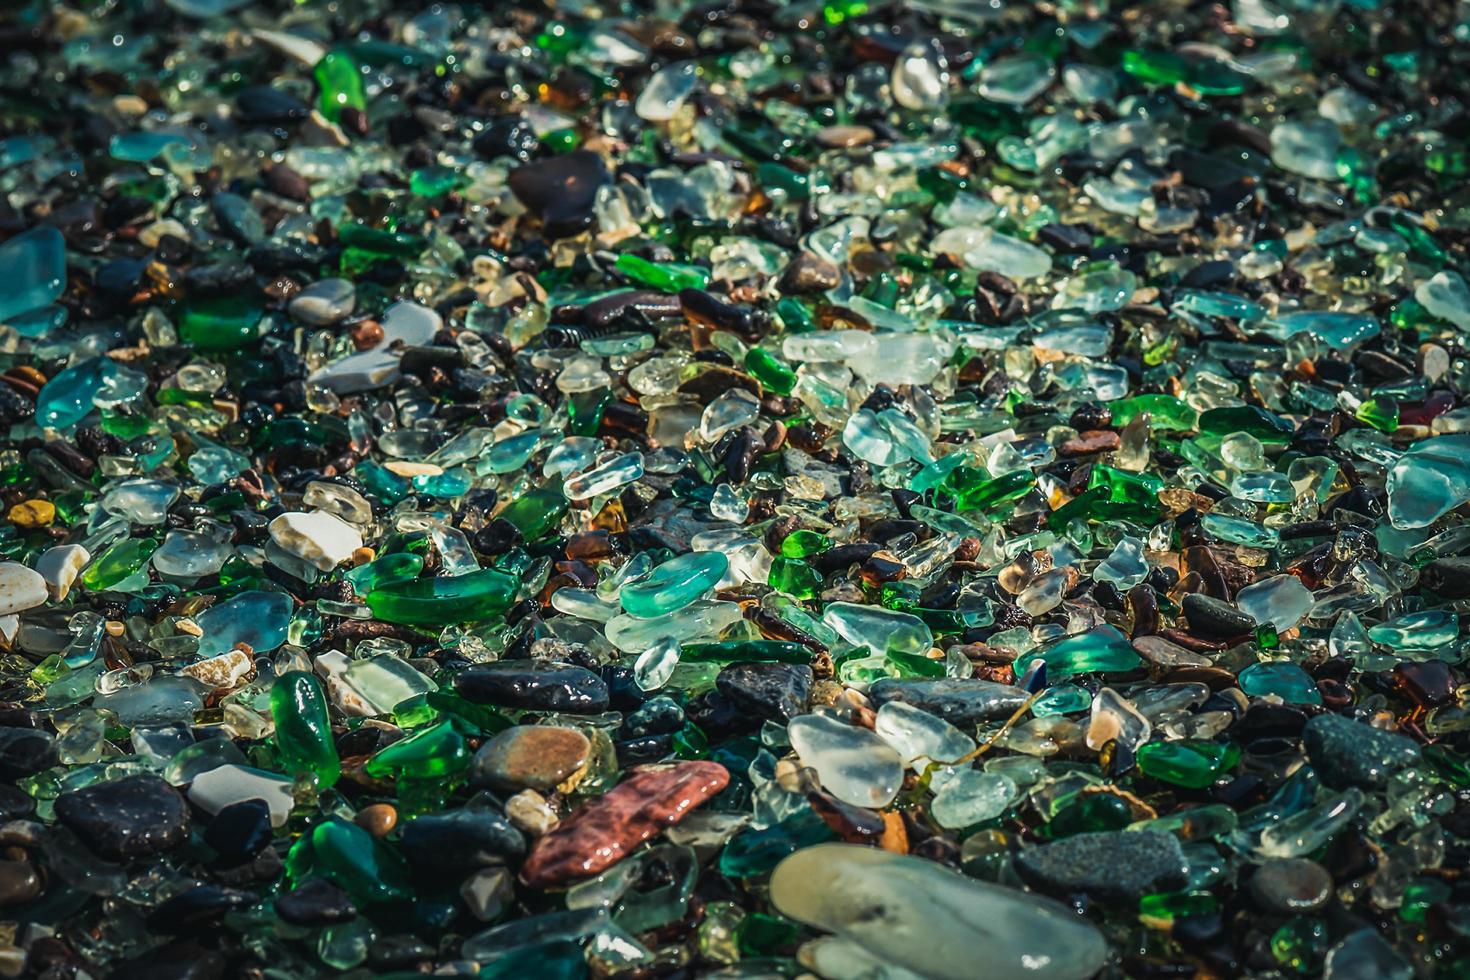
674, 584
1090, 812
1300, 944
220, 323
436, 181
1192, 763
756, 852
472, 717
388, 570
1270, 429
670, 277
974, 489
770, 372
1102, 649
357, 862
1168, 906
1382, 413
473, 597
802, 543
1286, 680
124, 561
1448, 163
381, 241
433, 752
585, 410
339, 79
1166, 413
303, 736
537, 513
764, 935
795, 578
1420, 895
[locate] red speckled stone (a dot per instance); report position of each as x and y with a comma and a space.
607, 829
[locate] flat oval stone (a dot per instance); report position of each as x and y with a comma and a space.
1213, 617
453, 842
919, 916
315, 902
121, 819
535, 686
1106, 864
854, 765
1350, 753
961, 702
1291, 885
539, 757
771, 691
605, 830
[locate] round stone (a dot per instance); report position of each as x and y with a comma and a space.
379, 819
20, 882
1291, 885
539, 757
33, 513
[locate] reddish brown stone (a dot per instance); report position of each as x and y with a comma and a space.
606, 830
1087, 443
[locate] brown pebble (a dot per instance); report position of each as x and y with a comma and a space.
1094, 441
362, 556
368, 333
378, 819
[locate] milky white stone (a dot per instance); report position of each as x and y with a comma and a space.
60, 566
214, 790
20, 588
316, 538
919, 916
853, 764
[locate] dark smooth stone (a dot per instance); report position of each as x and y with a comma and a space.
1106, 864
15, 803
961, 702
265, 104
137, 816
315, 902
25, 751
185, 960
20, 882
1346, 753
657, 716
534, 686
773, 691
461, 841
196, 909
240, 831
508, 136
561, 190
1213, 617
